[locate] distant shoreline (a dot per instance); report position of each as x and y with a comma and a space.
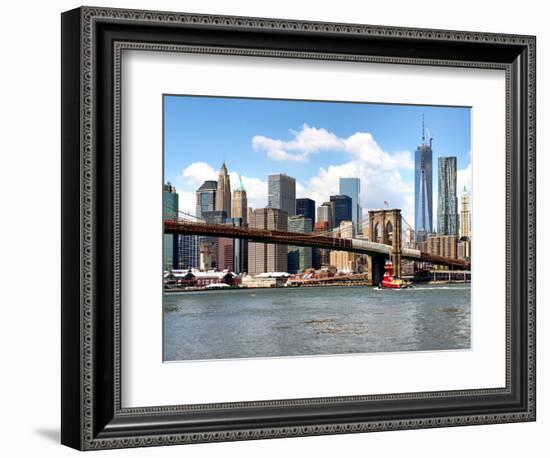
337, 285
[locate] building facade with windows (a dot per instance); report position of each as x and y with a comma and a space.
423, 192
170, 210
352, 187
447, 211
223, 192
306, 207
299, 258
281, 193
465, 229
239, 204
440, 245
267, 257
324, 214
188, 251
342, 209
206, 198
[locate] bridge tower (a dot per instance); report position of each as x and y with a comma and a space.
385, 227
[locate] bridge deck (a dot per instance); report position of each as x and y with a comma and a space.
301, 239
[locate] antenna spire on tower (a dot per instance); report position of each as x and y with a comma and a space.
423, 131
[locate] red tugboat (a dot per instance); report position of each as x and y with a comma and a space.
391, 282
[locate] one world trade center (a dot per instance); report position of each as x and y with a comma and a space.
423, 203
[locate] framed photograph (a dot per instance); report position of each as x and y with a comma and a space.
278, 228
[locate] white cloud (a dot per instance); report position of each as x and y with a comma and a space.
197, 173
379, 171
307, 141
377, 185
187, 202
384, 176
256, 189
464, 178
362, 146
311, 140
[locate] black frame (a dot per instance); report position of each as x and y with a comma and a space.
92, 40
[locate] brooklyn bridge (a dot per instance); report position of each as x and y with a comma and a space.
384, 240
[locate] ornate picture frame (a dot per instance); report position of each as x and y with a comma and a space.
93, 416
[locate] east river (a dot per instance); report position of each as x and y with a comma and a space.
251, 323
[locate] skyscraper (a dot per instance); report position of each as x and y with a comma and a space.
267, 257
170, 210
239, 212
325, 214
423, 203
240, 250
224, 254
299, 258
215, 217
239, 203
190, 245
352, 187
447, 211
341, 209
188, 251
465, 216
223, 192
282, 193
306, 207
206, 198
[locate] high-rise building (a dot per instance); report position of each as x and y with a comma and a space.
306, 207
267, 257
188, 251
281, 191
465, 229
170, 210
447, 214
423, 204
170, 202
324, 214
299, 258
215, 217
352, 187
224, 254
223, 192
341, 209
206, 198
239, 203
240, 250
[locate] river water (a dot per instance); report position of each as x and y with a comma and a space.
252, 323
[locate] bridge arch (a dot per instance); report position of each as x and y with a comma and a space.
389, 233
390, 222
377, 234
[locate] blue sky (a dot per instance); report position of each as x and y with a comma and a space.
315, 142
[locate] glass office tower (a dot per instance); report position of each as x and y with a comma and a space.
352, 187
423, 203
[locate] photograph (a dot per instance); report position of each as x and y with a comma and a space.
314, 228
283, 222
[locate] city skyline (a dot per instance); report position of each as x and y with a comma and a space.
332, 140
